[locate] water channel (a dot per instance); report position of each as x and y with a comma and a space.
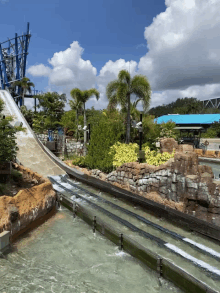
187, 265
215, 165
63, 255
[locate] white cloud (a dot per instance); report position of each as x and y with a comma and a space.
39, 70
68, 70
183, 45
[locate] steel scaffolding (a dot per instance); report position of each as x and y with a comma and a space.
13, 57
212, 103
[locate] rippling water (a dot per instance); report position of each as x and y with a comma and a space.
63, 255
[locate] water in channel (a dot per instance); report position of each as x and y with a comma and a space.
215, 168
64, 255
190, 267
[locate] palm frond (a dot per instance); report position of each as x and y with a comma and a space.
140, 86
93, 92
124, 76
76, 94
111, 89
122, 94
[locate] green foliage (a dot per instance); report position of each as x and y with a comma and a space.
52, 108
68, 121
119, 93
167, 130
8, 146
123, 153
28, 114
213, 131
156, 159
153, 131
25, 84
126, 153
1, 105
180, 106
210, 133
104, 134
79, 161
16, 175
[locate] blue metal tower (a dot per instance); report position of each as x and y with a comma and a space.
13, 57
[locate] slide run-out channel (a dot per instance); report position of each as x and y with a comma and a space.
195, 254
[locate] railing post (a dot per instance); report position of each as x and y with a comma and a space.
121, 242
94, 224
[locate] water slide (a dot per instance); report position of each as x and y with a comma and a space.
31, 154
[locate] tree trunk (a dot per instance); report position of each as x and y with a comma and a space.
22, 98
77, 122
128, 129
84, 130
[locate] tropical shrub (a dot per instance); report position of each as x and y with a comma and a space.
123, 153
79, 161
213, 131
104, 133
126, 153
156, 159
8, 146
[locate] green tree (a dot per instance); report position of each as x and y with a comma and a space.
119, 93
180, 106
68, 121
104, 134
28, 114
51, 107
25, 84
76, 105
84, 96
8, 146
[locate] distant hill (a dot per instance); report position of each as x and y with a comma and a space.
182, 106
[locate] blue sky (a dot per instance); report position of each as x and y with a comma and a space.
86, 43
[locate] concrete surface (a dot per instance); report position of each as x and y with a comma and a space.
30, 154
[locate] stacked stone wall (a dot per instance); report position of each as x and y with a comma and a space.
71, 146
181, 179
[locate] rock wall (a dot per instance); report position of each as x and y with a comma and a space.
71, 146
181, 179
28, 205
168, 145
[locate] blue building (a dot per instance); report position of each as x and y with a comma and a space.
190, 125
202, 120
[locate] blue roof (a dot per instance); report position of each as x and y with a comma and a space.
189, 118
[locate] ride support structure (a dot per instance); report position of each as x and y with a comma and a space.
13, 58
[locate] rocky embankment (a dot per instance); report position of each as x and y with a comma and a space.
18, 213
180, 183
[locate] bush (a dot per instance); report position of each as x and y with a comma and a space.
16, 175
104, 134
123, 153
126, 153
213, 131
156, 159
79, 161
8, 146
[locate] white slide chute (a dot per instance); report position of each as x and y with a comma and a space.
30, 153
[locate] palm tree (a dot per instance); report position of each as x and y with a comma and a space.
78, 107
26, 85
84, 96
119, 93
